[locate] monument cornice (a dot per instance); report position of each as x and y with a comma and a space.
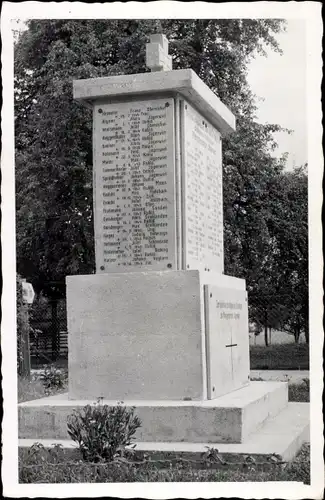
184, 82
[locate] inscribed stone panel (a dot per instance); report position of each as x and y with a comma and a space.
227, 339
202, 180
134, 178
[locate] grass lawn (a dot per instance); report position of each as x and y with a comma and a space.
39, 465
280, 357
35, 389
30, 389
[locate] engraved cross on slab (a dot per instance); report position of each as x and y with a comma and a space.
231, 345
157, 58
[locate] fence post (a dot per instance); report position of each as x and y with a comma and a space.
307, 330
54, 329
23, 346
26, 344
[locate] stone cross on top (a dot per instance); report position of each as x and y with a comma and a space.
157, 58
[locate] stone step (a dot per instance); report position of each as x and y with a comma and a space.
282, 435
230, 418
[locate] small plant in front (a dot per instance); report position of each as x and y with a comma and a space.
102, 431
212, 455
52, 378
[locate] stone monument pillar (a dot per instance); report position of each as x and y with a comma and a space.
159, 320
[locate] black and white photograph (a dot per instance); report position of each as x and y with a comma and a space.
161, 234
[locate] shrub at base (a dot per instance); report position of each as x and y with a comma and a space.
102, 431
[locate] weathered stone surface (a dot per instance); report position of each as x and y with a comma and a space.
222, 280
227, 339
157, 58
228, 419
144, 335
136, 335
134, 195
135, 191
184, 82
202, 180
282, 435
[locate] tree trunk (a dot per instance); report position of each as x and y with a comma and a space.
54, 328
307, 328
198, 43
266, 337
297, 335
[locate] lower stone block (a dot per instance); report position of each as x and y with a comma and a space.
228, 419
152, 336
136, 336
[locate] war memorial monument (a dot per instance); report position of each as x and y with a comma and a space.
159, 326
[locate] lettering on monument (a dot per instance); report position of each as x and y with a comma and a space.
203, 192
134, 185
234, 306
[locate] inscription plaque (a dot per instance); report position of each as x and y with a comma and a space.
202, 181
134, 196
227, 339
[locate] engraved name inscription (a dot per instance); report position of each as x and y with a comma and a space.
203, 193
134, 195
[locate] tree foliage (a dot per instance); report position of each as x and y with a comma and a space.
54, 144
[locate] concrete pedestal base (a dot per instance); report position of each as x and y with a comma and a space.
282, 435
228, 419
254, 420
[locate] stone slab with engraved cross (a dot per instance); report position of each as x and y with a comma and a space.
226, 339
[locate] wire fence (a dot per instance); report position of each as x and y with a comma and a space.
48, 331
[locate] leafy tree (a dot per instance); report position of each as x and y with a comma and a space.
279, 298
289, 227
